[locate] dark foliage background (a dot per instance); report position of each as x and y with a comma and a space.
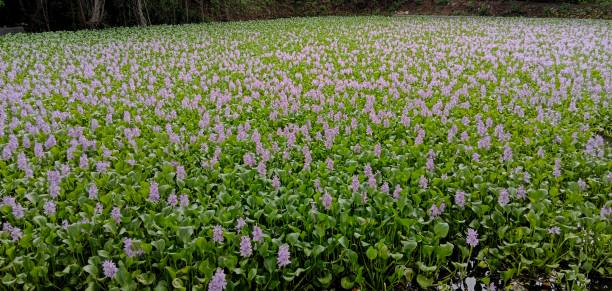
46, 15
42, 15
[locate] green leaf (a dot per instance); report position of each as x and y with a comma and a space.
184, 234
409, 246
228, 261
343, 242
507, 275
318, 249
8, 279
325, 280
160, 245
146, 278
346, 283
441, 229
371, 253
425, 268
161, 286
292, 238
91, 269
252, 274
270, 264
396, 256
444, 250
424, 282
40, 220
177, 283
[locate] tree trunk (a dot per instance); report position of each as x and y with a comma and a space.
226, 10
142, 21
97, 12
82, 18
45, 13
187, 11
201, 10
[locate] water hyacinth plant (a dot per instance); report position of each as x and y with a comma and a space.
316, 153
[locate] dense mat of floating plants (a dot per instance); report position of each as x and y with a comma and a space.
307, 154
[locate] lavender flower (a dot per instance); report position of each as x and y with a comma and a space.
116, 214
153, 192
261, 168
283, 256
554, 230
127, 247
521, 192
355, 183
526, 177
372, 182
83, 162
240, 223
257, 234
218, 233
377, 150
595, 146
397, 191
317, 185
581, 184
38, 150
507, 153
276, 182
472, 237
540, 152
248, 159
7, 227
50, 141
330, 164
180, 172
434, 211
101, 167
22, 161
50, 208
172, 199
217, 282
183, 200
130, 248
460, 198
307, 156
92, 191
504, 197
53, 178
18, 211
476, 157
327, 201
557, 168
423, 182
245, 246
16, 234
385, 188
430, 164
10, 201
110, 269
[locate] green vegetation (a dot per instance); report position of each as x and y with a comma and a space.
308, 154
